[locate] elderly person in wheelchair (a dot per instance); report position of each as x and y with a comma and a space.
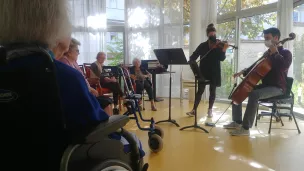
142, 80
36, 89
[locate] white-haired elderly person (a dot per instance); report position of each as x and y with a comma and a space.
70, 58
106, 82
142, 80
46, 24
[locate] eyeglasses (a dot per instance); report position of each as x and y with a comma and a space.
77, 50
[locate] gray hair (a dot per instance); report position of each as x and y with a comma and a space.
34, 21
135, 59
99, 54
74, 43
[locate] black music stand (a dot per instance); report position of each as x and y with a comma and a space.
175, 56
198, 77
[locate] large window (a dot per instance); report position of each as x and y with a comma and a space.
115, 9
252, 40
298, 60
256, 3
186, 34
114, 48
226, 32
226, 6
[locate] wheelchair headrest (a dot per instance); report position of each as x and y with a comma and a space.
13, 51
2, 56
28, 84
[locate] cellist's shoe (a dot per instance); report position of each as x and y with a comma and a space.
191, 114
240, 132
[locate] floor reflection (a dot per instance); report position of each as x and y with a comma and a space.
250, 162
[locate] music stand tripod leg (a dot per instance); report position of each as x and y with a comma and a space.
195, 125
169, 119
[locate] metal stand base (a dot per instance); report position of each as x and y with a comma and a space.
169, 120
195, 126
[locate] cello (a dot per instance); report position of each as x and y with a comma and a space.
259, 70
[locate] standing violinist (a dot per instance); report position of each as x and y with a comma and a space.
273, 84
210, 67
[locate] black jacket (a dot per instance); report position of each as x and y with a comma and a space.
210, 66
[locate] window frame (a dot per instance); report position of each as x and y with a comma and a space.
243, 13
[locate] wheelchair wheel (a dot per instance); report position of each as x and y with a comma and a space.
155, 143
159, 131
111, 165
278, 119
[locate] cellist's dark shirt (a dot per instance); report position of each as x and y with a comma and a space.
280, 63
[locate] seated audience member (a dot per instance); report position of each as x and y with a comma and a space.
106, 82
142, 80
49, 29
70, 58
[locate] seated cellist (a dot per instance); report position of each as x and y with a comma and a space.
273, 84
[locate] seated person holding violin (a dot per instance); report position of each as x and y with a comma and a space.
273, 84
142, 80
106, 82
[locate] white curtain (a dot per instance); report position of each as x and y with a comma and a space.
152, 25
285, 24
89, 24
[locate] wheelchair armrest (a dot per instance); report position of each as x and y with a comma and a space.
113, 124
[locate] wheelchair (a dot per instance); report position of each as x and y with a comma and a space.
33, 124
155, 133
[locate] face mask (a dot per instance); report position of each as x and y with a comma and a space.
212, 38
268, 43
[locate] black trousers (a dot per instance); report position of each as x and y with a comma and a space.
104, 101
141, 85
201, 88
115, 88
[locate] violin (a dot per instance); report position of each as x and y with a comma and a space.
221, 44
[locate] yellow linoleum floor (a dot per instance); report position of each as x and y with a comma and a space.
194, 150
